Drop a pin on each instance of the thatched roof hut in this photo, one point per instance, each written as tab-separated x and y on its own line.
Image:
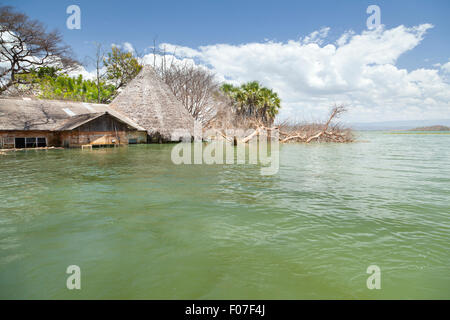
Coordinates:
148	101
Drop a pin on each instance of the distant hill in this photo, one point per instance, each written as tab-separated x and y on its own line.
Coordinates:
432	128
397	125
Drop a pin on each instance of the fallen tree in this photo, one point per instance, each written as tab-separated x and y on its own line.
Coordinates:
327	132
300	133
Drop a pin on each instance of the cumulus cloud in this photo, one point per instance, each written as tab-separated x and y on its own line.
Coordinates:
317	36
311	73
170	54
343	39
178	50
446	67
87	75
125	46
128	47
358	69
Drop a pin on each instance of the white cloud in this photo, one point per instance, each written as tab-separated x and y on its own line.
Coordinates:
316	36
178	50
125	46
344	38
310	75
359	70
128	47
446	67
87	75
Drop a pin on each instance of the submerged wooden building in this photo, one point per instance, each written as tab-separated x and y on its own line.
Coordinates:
29	123
145	111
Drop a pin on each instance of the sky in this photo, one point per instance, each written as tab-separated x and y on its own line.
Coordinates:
313	53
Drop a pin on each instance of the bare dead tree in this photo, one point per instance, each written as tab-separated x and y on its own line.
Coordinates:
98	62
321	132
99	75
25	44
194	86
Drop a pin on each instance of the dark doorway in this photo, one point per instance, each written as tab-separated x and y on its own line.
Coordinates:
20	142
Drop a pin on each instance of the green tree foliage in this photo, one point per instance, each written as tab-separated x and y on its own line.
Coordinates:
121	67
251	100
36	76
50	83
76	89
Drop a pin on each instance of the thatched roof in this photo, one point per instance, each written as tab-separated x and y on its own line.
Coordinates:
146	104
148	101
52	115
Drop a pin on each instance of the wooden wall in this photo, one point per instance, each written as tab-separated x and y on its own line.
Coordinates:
75	138
7	137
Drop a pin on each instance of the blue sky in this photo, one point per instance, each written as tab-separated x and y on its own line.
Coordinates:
202	22
400	72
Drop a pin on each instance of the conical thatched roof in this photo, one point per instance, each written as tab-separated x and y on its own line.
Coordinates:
148	101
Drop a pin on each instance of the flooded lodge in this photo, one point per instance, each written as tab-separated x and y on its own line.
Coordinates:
46	123
145	111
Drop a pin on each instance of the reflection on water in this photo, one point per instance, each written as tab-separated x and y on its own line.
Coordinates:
141	227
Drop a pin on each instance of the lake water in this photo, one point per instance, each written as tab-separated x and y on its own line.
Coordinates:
140	227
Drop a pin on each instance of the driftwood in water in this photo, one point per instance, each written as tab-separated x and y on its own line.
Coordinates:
305	133
318	132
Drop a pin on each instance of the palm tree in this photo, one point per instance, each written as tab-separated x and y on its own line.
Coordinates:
251	100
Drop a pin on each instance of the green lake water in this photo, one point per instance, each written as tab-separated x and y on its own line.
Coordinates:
140	227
